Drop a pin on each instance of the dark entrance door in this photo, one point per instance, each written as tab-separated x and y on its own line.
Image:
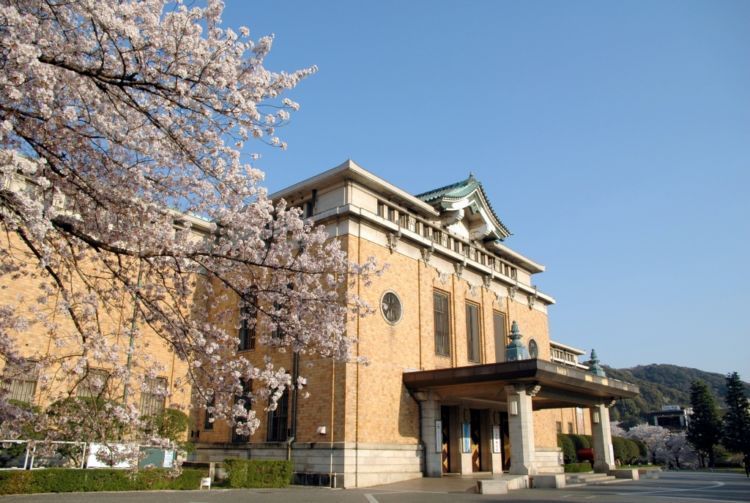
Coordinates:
476	441
446	453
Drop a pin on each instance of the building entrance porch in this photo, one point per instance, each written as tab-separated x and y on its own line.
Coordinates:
489	411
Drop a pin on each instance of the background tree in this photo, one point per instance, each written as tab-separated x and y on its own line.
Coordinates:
736	421
124	190
704	428
680	453
654	438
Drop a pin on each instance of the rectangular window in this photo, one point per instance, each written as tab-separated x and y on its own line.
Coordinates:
20	381
381	209
441	309
153	396
277	419
243	399
94	385
472	332
570	428
248	319
558	426
208	417
498	320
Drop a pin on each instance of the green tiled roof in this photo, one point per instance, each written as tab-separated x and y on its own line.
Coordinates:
460	190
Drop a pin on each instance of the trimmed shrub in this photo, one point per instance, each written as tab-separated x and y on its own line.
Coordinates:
634	452
61	480
581	441
568	448
257	473
620	449
642	450
577	467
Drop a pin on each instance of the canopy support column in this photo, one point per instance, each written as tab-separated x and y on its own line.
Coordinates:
521	429
601	436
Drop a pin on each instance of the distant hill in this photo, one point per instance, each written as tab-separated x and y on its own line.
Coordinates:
660	385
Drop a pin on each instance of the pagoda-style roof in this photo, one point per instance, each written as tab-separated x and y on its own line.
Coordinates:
468	193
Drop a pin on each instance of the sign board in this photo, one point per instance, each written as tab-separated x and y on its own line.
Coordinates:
496	438
98	453
466	437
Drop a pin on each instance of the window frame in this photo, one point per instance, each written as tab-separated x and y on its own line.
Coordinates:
442	339
208	417
501	339
151	397
246	333
400	305
277	421
247	388
20	381
84	390
474	344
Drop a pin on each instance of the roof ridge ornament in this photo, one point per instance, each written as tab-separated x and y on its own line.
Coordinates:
515	349
594	366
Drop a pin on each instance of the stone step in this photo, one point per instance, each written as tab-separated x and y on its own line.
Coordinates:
586	478
583	479
608	480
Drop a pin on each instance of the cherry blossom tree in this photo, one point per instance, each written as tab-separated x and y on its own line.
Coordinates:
654	437
680	452
126	198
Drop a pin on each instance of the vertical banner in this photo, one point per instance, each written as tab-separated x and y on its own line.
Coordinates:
496	438
438	436
466	437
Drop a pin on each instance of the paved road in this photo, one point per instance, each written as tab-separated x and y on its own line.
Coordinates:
686	487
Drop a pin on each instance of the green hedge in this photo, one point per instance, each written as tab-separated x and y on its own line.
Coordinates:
62	480
620	448
578	467
581	441
255	473
567	447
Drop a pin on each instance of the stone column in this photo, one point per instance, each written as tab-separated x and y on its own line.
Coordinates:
521	429
430	412
601	437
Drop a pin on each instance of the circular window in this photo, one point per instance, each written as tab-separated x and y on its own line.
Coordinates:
390	304
533	349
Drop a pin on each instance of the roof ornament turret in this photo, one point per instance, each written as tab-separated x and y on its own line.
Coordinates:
594	366
515	349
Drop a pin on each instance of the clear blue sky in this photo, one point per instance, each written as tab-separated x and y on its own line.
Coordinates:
612	137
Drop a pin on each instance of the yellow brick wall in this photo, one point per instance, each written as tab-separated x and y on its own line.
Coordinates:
62	340
369	403
386	412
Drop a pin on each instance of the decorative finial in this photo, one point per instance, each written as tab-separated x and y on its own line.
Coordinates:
594	366
515	349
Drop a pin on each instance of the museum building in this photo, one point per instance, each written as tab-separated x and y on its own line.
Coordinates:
462	374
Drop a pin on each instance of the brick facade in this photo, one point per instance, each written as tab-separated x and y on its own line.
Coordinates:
367	412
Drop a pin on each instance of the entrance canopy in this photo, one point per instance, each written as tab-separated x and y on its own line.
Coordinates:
551	385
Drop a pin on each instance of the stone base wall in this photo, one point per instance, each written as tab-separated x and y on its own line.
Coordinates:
338	464
548	460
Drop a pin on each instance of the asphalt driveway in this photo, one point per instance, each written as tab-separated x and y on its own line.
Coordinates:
671	487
